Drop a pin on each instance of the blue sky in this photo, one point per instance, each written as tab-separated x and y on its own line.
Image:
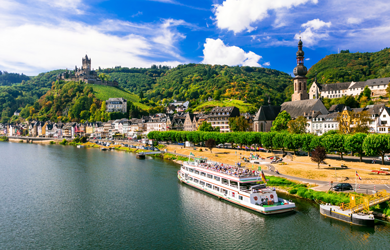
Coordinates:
42	35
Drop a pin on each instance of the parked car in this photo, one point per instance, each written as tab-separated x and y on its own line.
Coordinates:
386	158
342	187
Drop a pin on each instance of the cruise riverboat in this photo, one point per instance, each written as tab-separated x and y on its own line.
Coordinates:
234	185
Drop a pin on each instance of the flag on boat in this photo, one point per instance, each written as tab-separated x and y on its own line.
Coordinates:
358	176
263	177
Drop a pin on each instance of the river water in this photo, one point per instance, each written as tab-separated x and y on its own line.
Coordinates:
57	197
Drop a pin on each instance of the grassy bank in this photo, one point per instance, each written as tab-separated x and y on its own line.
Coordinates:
4	138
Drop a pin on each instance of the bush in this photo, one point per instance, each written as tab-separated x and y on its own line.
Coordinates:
4	138
64	142
293	191
52	142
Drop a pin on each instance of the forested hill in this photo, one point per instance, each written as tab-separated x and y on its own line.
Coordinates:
7	79
347	67
196	82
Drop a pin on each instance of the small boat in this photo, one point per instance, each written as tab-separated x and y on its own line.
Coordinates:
234	186
359	219
103	149
80	146
140	156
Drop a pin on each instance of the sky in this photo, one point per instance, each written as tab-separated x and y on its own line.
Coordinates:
42	35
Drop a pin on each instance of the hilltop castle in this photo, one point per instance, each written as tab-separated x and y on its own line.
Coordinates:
85	74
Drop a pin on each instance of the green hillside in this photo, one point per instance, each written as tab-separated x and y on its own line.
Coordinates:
105	92
244	107
347	67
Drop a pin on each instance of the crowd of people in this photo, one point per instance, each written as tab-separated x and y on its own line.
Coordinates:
236	171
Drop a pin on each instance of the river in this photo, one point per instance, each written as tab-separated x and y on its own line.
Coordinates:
61	197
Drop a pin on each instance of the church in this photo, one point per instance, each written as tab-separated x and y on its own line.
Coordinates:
300	104
85	74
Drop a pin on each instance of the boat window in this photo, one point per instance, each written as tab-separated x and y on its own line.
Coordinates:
196	180
186	168
190	178
208	185
216	188
202	174
183	167
246	186
233	184
191	170
201	183
217	178
209	176
224	191
240	197
225	182
196	172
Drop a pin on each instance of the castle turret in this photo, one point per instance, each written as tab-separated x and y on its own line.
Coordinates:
86	65
300	80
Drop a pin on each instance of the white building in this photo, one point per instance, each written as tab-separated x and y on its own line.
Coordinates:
338	90
116	105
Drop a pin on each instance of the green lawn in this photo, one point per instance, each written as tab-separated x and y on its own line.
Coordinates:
106	92
225	103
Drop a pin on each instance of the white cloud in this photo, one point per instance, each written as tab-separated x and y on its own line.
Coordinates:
35	45
216	52
354	20
72	5
267	64
307	59
238	15
312	35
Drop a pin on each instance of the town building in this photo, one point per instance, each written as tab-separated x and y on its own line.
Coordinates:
338	90
219	117
116	105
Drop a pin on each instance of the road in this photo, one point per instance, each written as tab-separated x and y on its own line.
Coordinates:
325	185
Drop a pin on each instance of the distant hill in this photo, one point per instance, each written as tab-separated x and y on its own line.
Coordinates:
7	79
347	67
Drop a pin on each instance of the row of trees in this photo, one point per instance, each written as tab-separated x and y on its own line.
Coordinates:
359	143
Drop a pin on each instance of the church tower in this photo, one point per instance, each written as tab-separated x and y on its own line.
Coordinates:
300	80
86	65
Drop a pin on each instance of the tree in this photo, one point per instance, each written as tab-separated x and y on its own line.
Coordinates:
355	143
266	140
103	107
297	126
362	120
206	127
281	121
238	123
278	141
210	144
367	92
377	144
318	155
141	95
104	77
217	95
334	142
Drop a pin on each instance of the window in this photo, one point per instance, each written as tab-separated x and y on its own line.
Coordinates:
225	182
216	188
202	174
209	176
202	183
196	180
191	170
240	197
217	178
196	172
208	185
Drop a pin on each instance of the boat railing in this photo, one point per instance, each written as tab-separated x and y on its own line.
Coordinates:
228	172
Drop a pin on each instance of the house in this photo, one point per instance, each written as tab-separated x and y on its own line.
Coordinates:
189	122
384	121
17	113
338	90
116	105
219	117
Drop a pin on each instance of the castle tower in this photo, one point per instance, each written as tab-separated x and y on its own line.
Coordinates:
86	65
300	80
